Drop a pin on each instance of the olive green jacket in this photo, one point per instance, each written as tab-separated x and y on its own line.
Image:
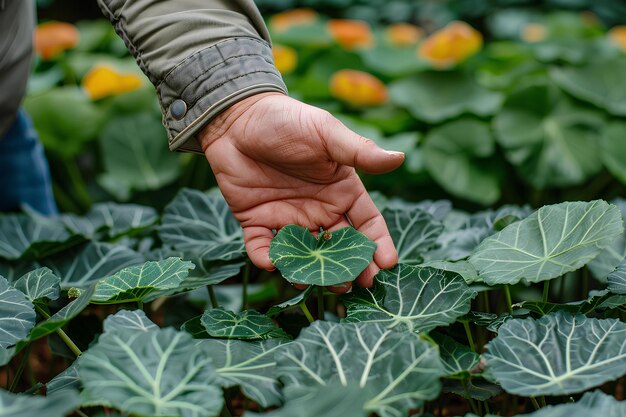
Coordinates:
201	55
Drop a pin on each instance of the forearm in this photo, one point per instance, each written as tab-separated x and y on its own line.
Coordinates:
201	55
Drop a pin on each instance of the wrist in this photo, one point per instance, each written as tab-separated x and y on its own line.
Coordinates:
220	125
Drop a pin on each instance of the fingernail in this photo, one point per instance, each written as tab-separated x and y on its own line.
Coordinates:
394	153
338	286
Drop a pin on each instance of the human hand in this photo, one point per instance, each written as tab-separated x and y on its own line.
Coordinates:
278	161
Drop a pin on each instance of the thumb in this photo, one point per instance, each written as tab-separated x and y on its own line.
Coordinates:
349	148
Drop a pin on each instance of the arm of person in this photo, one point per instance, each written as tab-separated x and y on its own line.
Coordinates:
277	161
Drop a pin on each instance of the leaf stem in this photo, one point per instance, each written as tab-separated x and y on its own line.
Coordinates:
485	297
212	296
470	399
320	303
246	279
80	413
66	339
535	403
470	338
20	369
140	305
507	295
546	291
306	311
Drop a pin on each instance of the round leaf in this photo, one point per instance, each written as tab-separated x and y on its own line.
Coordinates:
136	282
154	373
249	324
333	258
453	153
600	82
550	242
437	96
617	280
201	225
358	354
556	355
38	284
409	298
413	232
551	140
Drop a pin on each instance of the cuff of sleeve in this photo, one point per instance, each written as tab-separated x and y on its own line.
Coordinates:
210	81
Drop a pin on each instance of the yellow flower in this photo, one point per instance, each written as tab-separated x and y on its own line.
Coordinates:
534	32
282	22
285	58
52	38
351	34
451	45
404	34
103	81
618	36
358	88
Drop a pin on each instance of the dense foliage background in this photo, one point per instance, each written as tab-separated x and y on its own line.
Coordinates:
501	106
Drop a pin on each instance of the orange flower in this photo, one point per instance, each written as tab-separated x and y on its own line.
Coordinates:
404	34
451	45
52	38
618	36
351	34
534	32
103	81
282	22
358	88
285	58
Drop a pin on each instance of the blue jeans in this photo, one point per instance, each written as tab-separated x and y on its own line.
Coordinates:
24	172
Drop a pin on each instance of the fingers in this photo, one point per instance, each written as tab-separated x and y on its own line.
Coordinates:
367	219
366	278
257	240
348	148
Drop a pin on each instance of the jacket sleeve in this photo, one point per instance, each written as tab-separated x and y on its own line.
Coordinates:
201	55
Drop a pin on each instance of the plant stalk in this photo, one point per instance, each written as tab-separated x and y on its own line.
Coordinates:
507	295
66	339
212	296
471	401
535	403
470	338
546	291
320	303
306	311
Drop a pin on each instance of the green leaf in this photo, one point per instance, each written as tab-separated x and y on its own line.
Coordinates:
38	284
550	139
114	219
199	278
155	373
136	282
23	237
17	315
285	305
613	143
82	266
600	83
437	96
463	268
594	403
66	380
201	225
129	322
454	154
358	354
556	355
247	325
405	60
607	260
24	405
550	242
617	280
455	357
413	232
65	129
474	387
60	318
331	400
250	365
135	156
409	298
305	260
